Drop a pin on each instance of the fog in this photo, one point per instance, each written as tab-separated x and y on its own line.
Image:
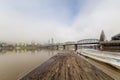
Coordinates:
63	20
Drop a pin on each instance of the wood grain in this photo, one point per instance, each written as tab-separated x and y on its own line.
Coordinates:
66	66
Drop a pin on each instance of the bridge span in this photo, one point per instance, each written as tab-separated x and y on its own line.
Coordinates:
93	43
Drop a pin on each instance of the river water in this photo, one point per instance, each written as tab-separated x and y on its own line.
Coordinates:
15	64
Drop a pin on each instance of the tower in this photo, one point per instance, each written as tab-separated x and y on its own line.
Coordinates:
102	36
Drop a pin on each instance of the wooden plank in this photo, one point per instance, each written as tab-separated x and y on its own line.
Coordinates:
66	66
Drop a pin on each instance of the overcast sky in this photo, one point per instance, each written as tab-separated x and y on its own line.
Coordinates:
63	20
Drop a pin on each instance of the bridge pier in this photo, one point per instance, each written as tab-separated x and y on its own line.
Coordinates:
57	47
64	47
76	47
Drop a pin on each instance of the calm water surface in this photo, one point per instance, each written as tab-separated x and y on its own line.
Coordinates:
14	64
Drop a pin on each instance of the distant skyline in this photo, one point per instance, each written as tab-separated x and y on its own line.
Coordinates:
63	20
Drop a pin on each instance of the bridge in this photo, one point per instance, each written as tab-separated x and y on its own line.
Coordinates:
88	41
75	45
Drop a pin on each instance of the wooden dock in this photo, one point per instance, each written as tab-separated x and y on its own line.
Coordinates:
66	66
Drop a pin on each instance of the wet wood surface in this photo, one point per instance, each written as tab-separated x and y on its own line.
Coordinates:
66	66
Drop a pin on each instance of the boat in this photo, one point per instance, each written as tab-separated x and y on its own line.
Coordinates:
112	58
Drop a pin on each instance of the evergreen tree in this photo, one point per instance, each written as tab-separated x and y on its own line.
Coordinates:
102	36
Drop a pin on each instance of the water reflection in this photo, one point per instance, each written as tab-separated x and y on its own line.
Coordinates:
15	63
2	52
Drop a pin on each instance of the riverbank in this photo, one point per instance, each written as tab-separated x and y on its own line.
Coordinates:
66	66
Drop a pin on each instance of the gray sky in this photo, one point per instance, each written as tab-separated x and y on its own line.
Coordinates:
63	20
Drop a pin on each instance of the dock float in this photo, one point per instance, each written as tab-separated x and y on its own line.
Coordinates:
66	66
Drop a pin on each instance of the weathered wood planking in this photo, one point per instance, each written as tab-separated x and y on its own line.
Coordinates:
66	66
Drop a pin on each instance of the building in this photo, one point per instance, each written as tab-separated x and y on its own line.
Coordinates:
116	37
112	45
